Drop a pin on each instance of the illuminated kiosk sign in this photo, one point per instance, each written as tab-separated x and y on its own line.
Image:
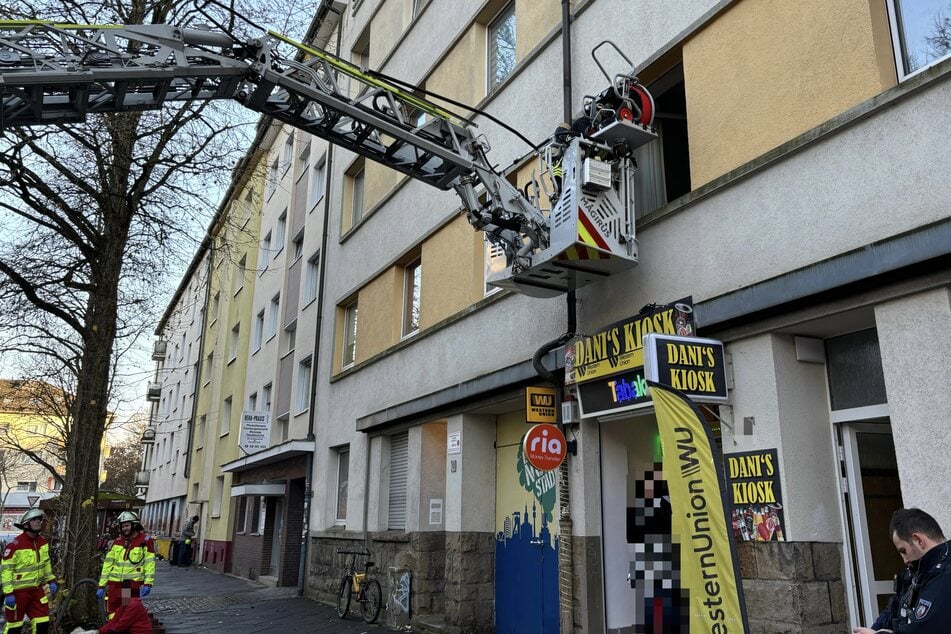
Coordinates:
691	365
617	393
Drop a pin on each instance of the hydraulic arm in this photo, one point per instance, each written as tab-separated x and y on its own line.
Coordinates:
60	73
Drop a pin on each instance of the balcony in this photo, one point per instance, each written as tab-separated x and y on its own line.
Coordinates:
141	478
159	350
154	393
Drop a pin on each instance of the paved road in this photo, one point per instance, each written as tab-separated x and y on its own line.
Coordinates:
195	601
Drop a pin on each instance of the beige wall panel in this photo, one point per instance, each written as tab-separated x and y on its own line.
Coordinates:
379	181
461	75
452	272
766	71
379	316
388	24
533	21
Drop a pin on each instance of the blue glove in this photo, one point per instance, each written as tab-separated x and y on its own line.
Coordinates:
100	593
53	587
144	591
10	601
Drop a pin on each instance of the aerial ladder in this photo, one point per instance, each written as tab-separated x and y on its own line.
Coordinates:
572	225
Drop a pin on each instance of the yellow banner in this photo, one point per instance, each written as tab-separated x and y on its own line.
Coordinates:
709	572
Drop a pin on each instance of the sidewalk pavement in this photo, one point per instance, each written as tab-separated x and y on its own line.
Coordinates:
195	600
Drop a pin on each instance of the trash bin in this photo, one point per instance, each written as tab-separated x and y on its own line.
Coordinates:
173	552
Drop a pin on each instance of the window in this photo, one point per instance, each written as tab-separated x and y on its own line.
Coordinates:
290	337
412	276
311	278
280	232
399	468
215	305
217	495
224	425
266	397
233	345
200	431
417	5
921	31
283	427
208	362
257	510
253	402
299	245
304	155
265	254
303	385
258	334
318	181
244	209
288	155
349	334
343	477
356	200
239	274
241	519
26	486
501	47
272	178
274	316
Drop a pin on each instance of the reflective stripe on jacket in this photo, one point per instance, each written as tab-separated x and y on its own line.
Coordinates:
129	560
26	563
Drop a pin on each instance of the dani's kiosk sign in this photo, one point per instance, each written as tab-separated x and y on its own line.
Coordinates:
608	365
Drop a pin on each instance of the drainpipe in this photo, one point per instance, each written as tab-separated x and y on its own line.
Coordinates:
325	6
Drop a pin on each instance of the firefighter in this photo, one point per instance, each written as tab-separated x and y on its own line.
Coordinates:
26	569
131	558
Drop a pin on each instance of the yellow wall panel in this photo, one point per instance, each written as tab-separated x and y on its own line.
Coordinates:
766	71
452	272
378	319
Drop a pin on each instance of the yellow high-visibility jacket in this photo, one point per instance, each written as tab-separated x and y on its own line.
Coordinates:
130	559
26	563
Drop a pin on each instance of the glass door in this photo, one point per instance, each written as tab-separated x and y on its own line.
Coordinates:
873	492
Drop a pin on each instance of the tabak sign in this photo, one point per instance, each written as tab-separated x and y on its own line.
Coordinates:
756	496
619	347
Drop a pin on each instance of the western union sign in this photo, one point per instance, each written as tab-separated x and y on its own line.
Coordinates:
619	347
540	405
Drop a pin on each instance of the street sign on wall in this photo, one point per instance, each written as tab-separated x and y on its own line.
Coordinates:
255	431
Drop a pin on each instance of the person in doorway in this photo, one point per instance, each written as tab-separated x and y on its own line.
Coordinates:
26	569
131	617
185	548
923	605
130	559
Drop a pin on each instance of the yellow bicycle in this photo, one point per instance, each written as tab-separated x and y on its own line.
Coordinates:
367	590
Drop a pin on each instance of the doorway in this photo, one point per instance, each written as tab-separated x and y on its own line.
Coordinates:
872	493
276	510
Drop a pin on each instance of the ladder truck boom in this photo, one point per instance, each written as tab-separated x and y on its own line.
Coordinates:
547	240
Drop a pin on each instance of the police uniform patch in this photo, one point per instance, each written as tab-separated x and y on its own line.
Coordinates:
921	610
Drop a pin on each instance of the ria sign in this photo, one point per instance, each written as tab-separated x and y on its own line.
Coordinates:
544	447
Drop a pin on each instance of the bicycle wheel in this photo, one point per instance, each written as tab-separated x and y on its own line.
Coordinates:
372	601
343	596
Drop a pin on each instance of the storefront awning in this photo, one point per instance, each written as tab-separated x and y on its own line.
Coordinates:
277	453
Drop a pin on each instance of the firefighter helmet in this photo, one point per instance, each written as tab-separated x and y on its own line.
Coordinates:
128	516
32	514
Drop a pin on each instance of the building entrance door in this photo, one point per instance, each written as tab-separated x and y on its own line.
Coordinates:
276	509
872	493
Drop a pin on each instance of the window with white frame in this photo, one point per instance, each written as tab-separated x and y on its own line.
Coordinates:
303	156
349	333
290	337
253	402
298	245
257	511
217	495
357	183
233	345
257	336
265	254
303	385
288	154
239	274
921	32
266	397
224	425
200	431
501	47
241	519
280	232
273	316
272	176
318	181
412	278
311	278
343	481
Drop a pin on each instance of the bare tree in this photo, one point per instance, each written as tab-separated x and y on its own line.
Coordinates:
939	40
93	214
121	466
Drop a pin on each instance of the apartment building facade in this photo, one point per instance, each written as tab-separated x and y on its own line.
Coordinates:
796	203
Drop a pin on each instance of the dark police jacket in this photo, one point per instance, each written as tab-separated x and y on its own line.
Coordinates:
925	607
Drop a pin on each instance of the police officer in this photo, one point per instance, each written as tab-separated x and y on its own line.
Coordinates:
131	558
924	604
25	570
